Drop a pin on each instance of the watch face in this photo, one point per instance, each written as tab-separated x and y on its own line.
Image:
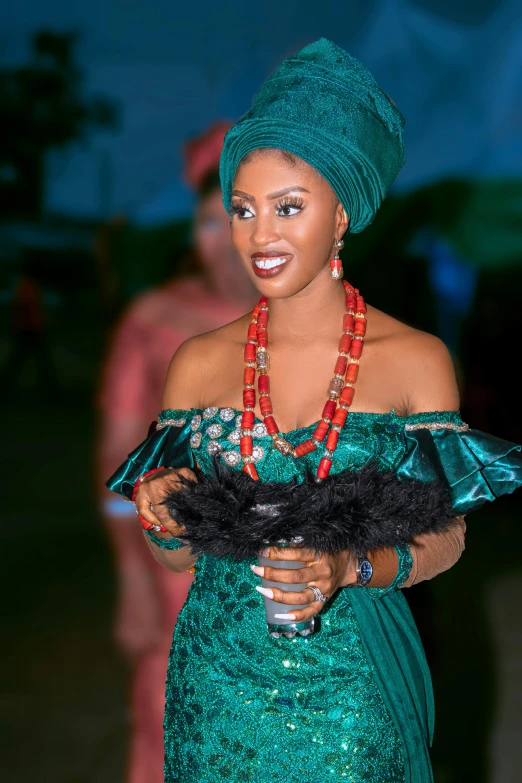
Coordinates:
366	570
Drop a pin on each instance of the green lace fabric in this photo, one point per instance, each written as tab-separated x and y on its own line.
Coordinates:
353	701
405	562
242	706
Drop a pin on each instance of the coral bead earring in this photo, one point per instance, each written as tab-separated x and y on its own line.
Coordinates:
336	265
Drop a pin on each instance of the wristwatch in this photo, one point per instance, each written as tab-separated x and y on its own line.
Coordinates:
364	571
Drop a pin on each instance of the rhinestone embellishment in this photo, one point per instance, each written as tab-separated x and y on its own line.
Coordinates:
208	413
213	448
195	423
232	458
260	430
437	425
171	423
234	437
215	430
195	440
226	414
258	453
238	421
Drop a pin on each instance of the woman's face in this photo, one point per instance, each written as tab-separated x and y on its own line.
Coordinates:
286	218
213	244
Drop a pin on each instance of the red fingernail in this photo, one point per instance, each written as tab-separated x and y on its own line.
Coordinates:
144	523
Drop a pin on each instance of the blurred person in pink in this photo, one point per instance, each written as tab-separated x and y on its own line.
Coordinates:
214	291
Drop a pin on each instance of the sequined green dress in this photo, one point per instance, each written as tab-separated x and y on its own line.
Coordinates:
352	702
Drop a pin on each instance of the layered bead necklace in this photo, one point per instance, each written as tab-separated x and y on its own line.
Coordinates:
340	392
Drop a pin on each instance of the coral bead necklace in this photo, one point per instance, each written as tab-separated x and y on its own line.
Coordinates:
340	392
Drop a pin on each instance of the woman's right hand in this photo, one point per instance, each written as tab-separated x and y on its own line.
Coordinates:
152	492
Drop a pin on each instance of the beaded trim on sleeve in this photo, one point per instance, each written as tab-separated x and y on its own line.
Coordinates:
405	562
437	425
171	544
171	423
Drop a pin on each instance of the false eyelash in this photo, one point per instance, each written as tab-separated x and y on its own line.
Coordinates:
237	206
290	201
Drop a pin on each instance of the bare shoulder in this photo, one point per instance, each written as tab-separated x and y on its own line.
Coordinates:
422	364
199	361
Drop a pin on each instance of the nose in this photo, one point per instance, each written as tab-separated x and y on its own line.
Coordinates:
264	229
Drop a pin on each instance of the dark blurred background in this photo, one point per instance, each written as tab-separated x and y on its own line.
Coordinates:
96	102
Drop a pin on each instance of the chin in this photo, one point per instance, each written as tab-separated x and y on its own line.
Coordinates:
283	286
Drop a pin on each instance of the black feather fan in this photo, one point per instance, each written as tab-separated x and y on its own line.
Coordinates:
226	514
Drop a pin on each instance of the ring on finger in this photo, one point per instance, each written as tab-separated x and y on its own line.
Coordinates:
318	594
149	526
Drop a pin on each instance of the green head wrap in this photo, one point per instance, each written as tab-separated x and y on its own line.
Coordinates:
322	105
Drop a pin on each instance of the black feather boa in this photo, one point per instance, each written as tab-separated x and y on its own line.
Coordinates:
229	515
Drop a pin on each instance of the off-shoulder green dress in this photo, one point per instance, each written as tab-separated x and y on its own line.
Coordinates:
352	702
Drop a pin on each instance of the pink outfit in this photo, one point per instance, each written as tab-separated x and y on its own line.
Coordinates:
146	339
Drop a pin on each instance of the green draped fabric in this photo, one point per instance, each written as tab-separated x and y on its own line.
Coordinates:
478	467
165	447
385	649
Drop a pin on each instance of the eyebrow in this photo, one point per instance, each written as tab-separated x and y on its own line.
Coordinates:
272	196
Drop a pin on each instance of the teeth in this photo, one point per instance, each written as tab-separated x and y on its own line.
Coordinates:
269	263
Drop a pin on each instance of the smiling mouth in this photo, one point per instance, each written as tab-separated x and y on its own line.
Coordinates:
270	263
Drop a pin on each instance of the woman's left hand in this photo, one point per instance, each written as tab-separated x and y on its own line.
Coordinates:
327	572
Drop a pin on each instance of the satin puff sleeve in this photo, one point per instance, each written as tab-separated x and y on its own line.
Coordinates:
167	446
476	466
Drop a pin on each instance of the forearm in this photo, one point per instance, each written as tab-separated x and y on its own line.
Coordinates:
385	563
434	553
177	560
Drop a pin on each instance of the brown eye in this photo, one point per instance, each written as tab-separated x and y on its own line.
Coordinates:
242	211
289	208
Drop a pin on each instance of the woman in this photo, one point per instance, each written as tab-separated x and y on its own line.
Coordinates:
309	162
157	322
